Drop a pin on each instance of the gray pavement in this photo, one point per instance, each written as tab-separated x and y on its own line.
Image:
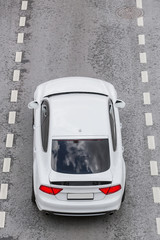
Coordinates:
80	38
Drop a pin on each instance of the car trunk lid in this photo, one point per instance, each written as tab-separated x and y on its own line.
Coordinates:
80	186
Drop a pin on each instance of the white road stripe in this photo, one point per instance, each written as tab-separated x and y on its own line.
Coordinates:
22	21
143	57
24	5
14	95
9	140
2	219
6	164
20	37
18	57
156	194
154	168
151	142
139	3
16	75
146	98
12	117
148	117
158	225
141	39
140	22
144	76
4	191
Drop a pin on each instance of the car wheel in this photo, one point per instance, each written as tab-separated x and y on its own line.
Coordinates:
33	195
124	195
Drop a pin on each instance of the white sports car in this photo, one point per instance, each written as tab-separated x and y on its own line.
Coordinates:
78	165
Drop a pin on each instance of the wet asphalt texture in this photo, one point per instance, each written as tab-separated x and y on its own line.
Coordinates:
80	38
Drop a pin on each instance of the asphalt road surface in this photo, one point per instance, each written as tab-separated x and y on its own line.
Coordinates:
114	40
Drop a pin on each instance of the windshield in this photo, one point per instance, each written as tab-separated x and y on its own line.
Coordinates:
80	156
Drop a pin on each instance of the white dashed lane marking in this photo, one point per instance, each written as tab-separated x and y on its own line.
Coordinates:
151	142
143	57
139	3
148	117
146	98
24	5
16	75
154	168
2	219
158	225
20	37
4	191
156	194
6	164
12	114
18	57
22	21
141	39
144	76
9	140
14	95
12	117
140	22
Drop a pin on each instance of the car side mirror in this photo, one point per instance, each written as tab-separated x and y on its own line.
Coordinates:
119	103
33	105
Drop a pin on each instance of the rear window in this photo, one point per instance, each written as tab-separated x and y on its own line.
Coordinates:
80	156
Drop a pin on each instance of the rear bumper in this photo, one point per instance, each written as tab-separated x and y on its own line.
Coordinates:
78	214
49	203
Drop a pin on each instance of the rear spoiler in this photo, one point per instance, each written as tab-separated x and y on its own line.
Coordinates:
82	183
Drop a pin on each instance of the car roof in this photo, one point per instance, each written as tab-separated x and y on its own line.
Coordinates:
79	115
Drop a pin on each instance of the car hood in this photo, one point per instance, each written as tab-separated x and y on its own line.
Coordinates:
74	84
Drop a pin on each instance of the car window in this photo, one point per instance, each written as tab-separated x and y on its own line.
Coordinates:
44	124
113	125
80	156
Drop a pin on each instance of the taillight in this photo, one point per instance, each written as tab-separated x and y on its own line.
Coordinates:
109	190
50	190
56	190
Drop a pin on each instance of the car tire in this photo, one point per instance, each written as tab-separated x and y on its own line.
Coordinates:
124	193
33	195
